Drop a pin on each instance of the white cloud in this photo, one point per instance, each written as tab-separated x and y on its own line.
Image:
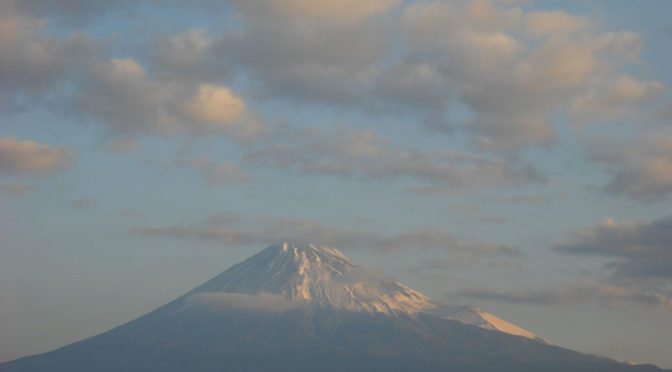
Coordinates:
215	105
264	302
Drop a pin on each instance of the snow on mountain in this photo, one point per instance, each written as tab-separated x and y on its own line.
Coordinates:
473	315
289	308
289	274
307	273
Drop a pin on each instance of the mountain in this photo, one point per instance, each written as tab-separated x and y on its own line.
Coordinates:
299	308
317	275
473	315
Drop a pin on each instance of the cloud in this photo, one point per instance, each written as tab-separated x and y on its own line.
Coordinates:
555	21
497	71
236	231
116	83
511	68
640	169
153	106
31	63
190	55
642	249
17	189
311	150
577	293
122	145
618	98
32	158
640	255
265	302
468	64
309	62
128	212
83	204
70	11
215	105
327	10
215	174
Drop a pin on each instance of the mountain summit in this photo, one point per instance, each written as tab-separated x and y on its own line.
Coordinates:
307	273
303	307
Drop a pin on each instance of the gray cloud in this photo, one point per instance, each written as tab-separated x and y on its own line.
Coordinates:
154	106
621	97
641	268
501	88
235	230
265	302
499	72
70	11
19	157
642	249
83	204
17	189
640	169
310	62
364	154
215	173
31	63
190	55
577	293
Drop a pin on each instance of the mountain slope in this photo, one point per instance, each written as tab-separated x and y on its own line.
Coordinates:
320	275
474	315
305	308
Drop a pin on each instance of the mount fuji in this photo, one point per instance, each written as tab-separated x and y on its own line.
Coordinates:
295	307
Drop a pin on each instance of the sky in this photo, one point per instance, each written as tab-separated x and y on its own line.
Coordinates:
515	155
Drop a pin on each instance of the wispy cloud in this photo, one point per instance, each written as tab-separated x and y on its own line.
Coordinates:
17	189
576	293
641	169
215	173
19	157
641	249
312	150
84	204
620	97
264	302
235	230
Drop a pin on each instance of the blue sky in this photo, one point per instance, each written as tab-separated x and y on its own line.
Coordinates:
515	155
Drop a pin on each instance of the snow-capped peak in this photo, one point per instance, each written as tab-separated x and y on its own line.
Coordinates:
319	275
290	275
